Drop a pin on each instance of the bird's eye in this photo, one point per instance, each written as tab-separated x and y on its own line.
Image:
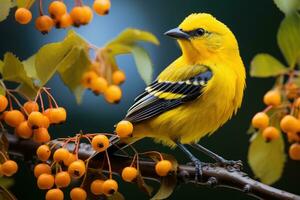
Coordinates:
200	32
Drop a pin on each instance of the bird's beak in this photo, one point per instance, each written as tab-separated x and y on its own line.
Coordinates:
177	33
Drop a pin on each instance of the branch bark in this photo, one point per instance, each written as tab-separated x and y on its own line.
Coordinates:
213	176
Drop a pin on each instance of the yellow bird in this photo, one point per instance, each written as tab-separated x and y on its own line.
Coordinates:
195	94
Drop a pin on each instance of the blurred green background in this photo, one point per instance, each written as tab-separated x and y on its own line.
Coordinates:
255	25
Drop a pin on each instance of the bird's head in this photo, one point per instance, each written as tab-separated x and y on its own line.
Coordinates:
202	35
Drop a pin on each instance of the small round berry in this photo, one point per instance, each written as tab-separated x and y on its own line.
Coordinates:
163	167
99	85
43	152
60	155
31	106
64	21
291	90
124	129
72	157
88	15
3	103
36	120
54	194
77	15
23	15
297	103
45	181
62	179
110	186
9	167
14	118
101	7
97	187
44	24
113	94
270	133
41	135
56	115
129	174
289	123
100	143
78	193
77	169
118	77
41	168
57	9
293	137
87	78
272	98
294	151
23	130
260	120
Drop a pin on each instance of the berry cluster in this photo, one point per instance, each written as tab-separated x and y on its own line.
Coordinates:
59	167
59	17
29	120
283	103
100	82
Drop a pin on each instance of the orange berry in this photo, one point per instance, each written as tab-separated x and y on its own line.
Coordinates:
113	94
61	154
3	103
41	168
31	106
110	186
101	7
291	90
77	169
77	15
54	194
43	152
98	85
78	193
44	24
294	151
41	135
45	181
270	133
97	187
64	21
87	78
56	115
297	103
163	167
129	174
72	157
23	130
272	98
88	15
118	77
260	120
124	129
62	179
23	15
9	168
37	120
100	143
289	124
14	118
57	9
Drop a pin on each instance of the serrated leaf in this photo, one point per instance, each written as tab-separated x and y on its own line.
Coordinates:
265	65
288	38
131	36
27	91
25	3
49	56
143	63
288	6
29	66
4	9
71	69
266	159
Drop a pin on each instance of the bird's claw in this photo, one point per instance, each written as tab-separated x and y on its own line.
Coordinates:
198	169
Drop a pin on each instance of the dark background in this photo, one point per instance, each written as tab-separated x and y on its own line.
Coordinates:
255	25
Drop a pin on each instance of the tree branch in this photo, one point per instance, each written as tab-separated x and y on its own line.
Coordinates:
214	176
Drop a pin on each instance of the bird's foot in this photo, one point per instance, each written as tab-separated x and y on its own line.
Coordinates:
231	164
198	169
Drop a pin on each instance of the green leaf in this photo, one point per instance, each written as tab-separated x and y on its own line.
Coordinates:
265	65
49	56
4	9
29	66
143	63
25	3
2	90
266	159
288	38
131	36
1	66
71	69
116	196
6	182
288	6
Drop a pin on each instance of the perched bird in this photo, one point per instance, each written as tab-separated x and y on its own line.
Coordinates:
195	94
